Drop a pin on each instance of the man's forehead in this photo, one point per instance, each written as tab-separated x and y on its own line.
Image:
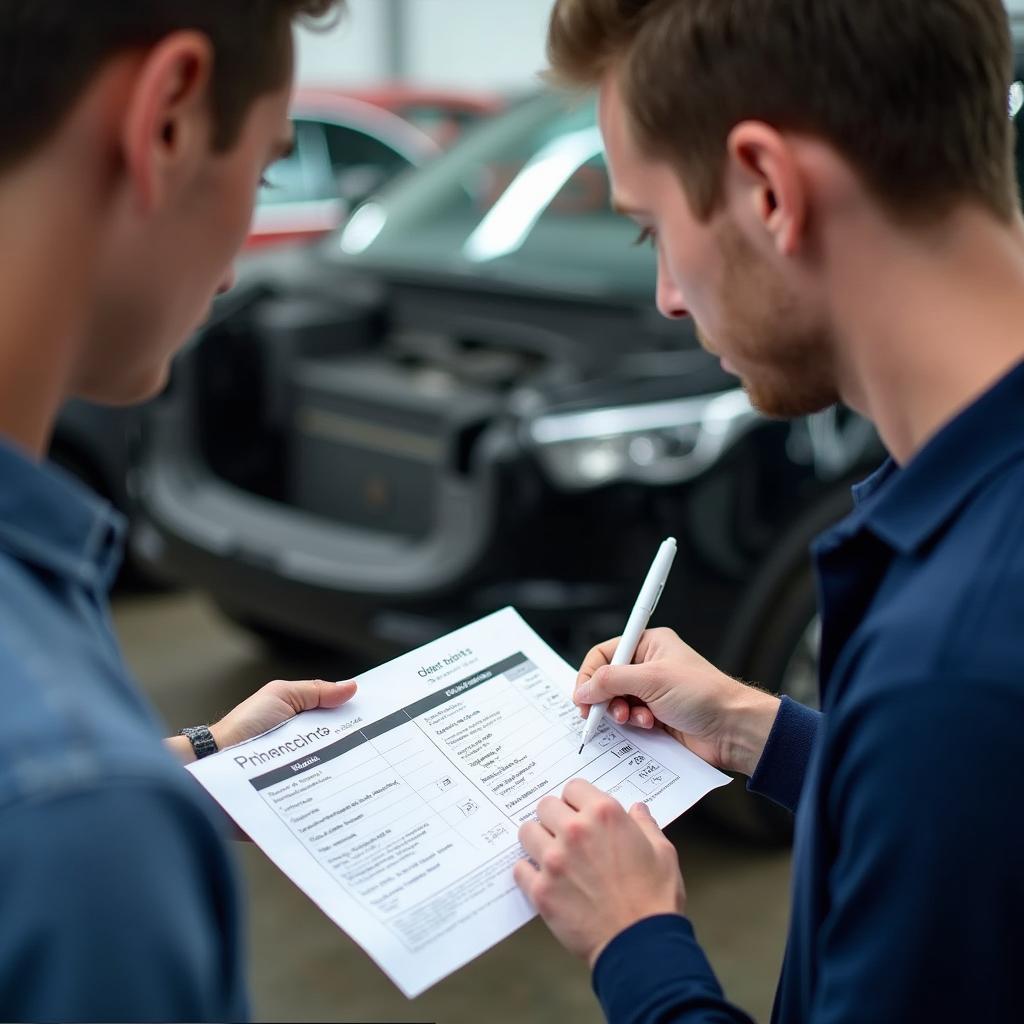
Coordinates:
618	147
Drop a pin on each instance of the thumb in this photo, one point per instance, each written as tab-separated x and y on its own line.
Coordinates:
641	814
333	695
307	694
613	681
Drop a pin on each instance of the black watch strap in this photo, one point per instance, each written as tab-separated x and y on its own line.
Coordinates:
201	739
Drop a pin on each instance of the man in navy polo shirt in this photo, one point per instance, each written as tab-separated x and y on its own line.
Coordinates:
132	139
829	185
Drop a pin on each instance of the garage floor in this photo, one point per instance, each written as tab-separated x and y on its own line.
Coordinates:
195	667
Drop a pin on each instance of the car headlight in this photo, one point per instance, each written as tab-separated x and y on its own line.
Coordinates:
655	443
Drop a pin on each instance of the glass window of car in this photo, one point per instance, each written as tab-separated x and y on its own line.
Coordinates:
305	174
524	198
360	162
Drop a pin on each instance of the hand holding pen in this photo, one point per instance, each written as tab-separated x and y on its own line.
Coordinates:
647	601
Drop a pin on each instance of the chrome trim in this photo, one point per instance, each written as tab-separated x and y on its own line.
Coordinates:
331	426
719	420
594	424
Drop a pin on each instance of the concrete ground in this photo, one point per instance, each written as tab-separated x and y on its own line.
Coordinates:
303	968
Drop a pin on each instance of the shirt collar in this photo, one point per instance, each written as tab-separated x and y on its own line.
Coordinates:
50	520
906	507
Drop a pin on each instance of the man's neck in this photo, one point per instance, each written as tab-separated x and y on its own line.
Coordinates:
928	324
43	298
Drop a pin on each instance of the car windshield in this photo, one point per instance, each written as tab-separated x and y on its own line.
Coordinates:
524	199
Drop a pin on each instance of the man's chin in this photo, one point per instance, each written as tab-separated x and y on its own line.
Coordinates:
788	402
126	392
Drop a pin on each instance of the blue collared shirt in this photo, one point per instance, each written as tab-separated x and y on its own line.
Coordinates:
908	888
117	897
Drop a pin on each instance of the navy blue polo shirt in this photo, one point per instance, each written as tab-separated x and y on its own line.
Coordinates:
117	897
908	859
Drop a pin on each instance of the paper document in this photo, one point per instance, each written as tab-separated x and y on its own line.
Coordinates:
398	813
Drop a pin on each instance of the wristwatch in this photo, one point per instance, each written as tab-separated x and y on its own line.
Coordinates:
201	739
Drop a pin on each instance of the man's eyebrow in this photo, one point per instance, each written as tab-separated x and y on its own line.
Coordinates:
285	148
627	211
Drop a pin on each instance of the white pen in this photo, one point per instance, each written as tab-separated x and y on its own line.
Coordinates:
635	625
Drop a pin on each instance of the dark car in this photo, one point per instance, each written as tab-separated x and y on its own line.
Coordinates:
465	400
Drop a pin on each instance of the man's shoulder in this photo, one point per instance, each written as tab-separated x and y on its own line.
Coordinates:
956	608
120	903
68	726
69	712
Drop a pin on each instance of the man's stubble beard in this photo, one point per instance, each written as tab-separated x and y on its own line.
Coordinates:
785	363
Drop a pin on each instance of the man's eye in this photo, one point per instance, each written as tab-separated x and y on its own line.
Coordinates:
265	182
646	235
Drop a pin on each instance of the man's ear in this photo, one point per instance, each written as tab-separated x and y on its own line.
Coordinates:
764	169
167	129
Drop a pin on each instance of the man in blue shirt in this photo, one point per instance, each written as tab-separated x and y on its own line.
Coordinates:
134	137
829	186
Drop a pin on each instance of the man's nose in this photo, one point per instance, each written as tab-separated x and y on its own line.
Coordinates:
227	283
668	298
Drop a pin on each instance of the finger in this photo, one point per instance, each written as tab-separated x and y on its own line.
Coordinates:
641	717
333	695
535	839
526	877
597	656
553	814
641	814
616	681
307	694
580	794
619	710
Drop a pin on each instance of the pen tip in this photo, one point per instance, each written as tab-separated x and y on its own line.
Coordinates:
582	745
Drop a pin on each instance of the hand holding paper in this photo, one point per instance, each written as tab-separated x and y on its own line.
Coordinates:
398	813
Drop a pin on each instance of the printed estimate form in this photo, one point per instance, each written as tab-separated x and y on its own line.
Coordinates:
398	813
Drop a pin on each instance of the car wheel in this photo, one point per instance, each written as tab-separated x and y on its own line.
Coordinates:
776	645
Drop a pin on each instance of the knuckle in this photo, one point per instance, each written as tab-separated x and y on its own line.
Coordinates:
666	852
607	810
575	832
553	862
542	898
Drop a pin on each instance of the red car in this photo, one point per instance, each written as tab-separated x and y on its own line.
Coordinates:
443	115
348	143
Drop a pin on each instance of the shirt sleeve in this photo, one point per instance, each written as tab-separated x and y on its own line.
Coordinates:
779	774
655	973
925	892
119	904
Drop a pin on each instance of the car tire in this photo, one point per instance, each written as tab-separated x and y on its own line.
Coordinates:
774	643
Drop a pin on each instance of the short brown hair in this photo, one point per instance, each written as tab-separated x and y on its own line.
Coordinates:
51	49
912	93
